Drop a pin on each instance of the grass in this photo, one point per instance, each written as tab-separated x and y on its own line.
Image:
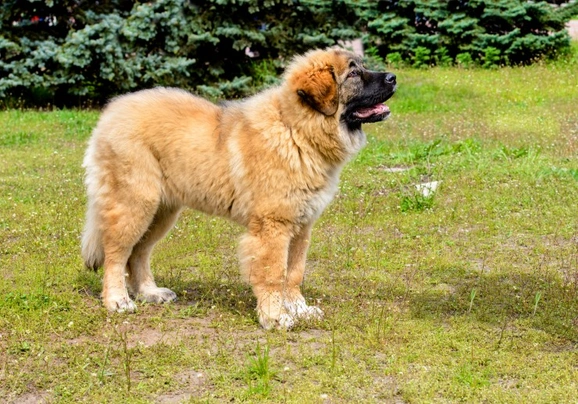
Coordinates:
466	295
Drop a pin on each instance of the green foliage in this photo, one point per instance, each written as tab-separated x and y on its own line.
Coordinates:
395	59
522	31
464	59
214	48
415	201
67	52
259	373
442	57
373	60
567	11
421	57
561	172
491	57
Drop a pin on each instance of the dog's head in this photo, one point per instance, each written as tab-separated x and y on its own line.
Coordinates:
334	82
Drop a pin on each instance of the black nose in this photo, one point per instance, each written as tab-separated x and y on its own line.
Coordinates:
390	78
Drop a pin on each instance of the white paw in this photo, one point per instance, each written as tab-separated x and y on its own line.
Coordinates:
157	295
299	310
313	313
272	314
120	304
283	322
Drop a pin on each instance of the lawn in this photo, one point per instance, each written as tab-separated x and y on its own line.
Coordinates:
467	295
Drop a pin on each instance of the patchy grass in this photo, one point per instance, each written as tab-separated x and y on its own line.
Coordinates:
466	294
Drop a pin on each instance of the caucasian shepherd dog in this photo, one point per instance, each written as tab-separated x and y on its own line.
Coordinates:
270	163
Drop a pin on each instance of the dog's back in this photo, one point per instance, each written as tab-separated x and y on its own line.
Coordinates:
144	133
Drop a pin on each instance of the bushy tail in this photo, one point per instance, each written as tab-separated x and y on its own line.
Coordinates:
92	249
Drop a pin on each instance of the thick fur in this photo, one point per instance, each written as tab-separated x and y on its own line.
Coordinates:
270	163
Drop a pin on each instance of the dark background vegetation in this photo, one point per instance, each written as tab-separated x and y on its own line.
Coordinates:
78	52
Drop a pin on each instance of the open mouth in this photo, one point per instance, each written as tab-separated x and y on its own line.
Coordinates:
373	112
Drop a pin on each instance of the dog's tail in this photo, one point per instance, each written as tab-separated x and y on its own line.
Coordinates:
92	248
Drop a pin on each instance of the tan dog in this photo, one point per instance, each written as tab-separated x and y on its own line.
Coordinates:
270	163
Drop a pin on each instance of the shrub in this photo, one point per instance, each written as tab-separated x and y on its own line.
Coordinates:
522	31
70	51
421	57
464	60
491	57
93	51
442	57
395	59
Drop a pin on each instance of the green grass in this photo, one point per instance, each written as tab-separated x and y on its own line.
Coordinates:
467	295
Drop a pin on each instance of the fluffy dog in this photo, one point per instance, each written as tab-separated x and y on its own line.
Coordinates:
270	162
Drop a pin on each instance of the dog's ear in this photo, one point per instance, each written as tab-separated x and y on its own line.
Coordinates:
318	89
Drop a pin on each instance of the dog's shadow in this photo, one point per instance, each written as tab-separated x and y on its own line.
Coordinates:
541	301
509	303
227	294
197	290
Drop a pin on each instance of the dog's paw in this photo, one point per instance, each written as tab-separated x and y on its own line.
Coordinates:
298	309
285	321
157	295
120	304
272	314
311	313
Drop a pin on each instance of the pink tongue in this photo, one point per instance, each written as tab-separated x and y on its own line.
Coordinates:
378	109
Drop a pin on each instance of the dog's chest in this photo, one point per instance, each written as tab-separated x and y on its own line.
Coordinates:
317	199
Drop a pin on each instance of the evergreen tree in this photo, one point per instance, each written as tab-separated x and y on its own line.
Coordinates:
62	51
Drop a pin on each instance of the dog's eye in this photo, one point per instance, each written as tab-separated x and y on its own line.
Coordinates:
353	73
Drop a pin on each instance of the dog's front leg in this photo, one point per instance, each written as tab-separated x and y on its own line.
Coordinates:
263	254
294	301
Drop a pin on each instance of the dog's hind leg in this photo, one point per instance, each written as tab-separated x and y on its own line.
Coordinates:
293	299
130	196
124	223
140	279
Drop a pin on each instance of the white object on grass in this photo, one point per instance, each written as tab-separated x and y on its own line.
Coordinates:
428	188
396	169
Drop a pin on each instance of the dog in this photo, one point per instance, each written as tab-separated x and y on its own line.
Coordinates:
270	162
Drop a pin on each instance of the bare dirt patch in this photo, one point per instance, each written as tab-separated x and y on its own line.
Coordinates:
171	333
194	383
29	398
